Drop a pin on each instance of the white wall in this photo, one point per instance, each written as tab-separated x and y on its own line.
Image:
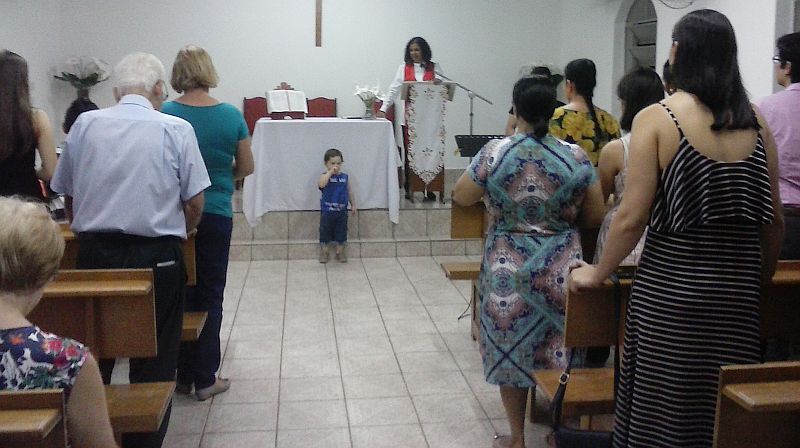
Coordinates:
33	29
256	44
597	32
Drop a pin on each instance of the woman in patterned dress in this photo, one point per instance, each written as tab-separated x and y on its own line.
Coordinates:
537	190
703	173
31	247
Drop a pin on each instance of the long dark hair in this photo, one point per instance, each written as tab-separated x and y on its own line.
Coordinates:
706	65
427	54
16	116
534	100
582	73
638	89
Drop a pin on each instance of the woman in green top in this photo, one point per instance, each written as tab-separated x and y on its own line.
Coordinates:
580	121
225	144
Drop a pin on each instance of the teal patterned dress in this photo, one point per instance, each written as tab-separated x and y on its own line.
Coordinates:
533	192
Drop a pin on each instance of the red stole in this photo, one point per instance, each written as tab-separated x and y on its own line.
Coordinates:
427	76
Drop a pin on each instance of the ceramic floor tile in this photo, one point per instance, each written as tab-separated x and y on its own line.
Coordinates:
252	439
364	346
249	391
173	440
253	349
433	383
366	328
312	414
308	366
410	326
426	362
406	436
448	408
242	417
374	386
418	343
468	360
251	369
316	438
381	411
492	405
404	312
460	341
477	434
305	389
269	333
354	365
477	382
351	314
188	419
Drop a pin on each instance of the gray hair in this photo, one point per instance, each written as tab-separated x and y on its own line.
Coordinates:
137	71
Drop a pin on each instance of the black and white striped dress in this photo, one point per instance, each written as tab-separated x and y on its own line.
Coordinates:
694	304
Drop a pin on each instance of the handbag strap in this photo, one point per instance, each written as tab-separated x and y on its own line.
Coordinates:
558	398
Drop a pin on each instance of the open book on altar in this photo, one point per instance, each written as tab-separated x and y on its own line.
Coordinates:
286	101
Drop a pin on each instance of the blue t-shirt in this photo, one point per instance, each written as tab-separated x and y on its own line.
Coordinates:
219	128
334	195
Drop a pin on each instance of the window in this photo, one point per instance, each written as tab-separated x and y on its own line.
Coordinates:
640	35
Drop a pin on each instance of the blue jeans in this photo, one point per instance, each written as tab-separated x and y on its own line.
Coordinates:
199	361
333	227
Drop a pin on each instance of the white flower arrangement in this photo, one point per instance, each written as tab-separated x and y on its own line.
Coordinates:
369	94
82	72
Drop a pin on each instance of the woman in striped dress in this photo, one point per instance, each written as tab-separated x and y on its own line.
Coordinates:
704	166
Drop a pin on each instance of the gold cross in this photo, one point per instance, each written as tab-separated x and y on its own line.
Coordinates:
319	23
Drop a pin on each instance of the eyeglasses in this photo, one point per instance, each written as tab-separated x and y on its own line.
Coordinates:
777	59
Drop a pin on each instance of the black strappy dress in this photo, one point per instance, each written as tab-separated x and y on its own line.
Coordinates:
695	298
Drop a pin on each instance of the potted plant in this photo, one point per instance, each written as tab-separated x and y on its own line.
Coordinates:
82	73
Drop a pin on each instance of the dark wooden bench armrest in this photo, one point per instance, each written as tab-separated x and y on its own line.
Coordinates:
138	407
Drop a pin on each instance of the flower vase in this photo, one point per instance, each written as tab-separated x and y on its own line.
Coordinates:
369	111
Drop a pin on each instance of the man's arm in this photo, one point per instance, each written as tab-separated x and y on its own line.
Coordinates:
193	210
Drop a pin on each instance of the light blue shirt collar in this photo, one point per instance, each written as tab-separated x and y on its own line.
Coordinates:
138	100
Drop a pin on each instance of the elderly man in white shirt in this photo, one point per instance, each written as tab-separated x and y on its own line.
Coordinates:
133	180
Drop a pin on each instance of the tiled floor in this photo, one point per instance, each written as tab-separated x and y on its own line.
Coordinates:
363	354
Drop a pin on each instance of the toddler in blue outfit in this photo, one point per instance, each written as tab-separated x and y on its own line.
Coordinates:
336	193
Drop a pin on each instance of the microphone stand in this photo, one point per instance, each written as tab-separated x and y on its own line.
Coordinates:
472	95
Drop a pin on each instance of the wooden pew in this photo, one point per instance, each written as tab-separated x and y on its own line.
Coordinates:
112	312
33	418
70	258
192	322
758	405
590	322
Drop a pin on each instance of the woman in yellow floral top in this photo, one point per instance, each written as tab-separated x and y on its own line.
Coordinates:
580	121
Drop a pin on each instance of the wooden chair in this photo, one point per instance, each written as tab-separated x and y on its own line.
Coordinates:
376	106
253	109
192	321
113	313
321	107
758	405
33	418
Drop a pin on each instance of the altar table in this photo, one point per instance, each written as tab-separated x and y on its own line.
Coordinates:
289	160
